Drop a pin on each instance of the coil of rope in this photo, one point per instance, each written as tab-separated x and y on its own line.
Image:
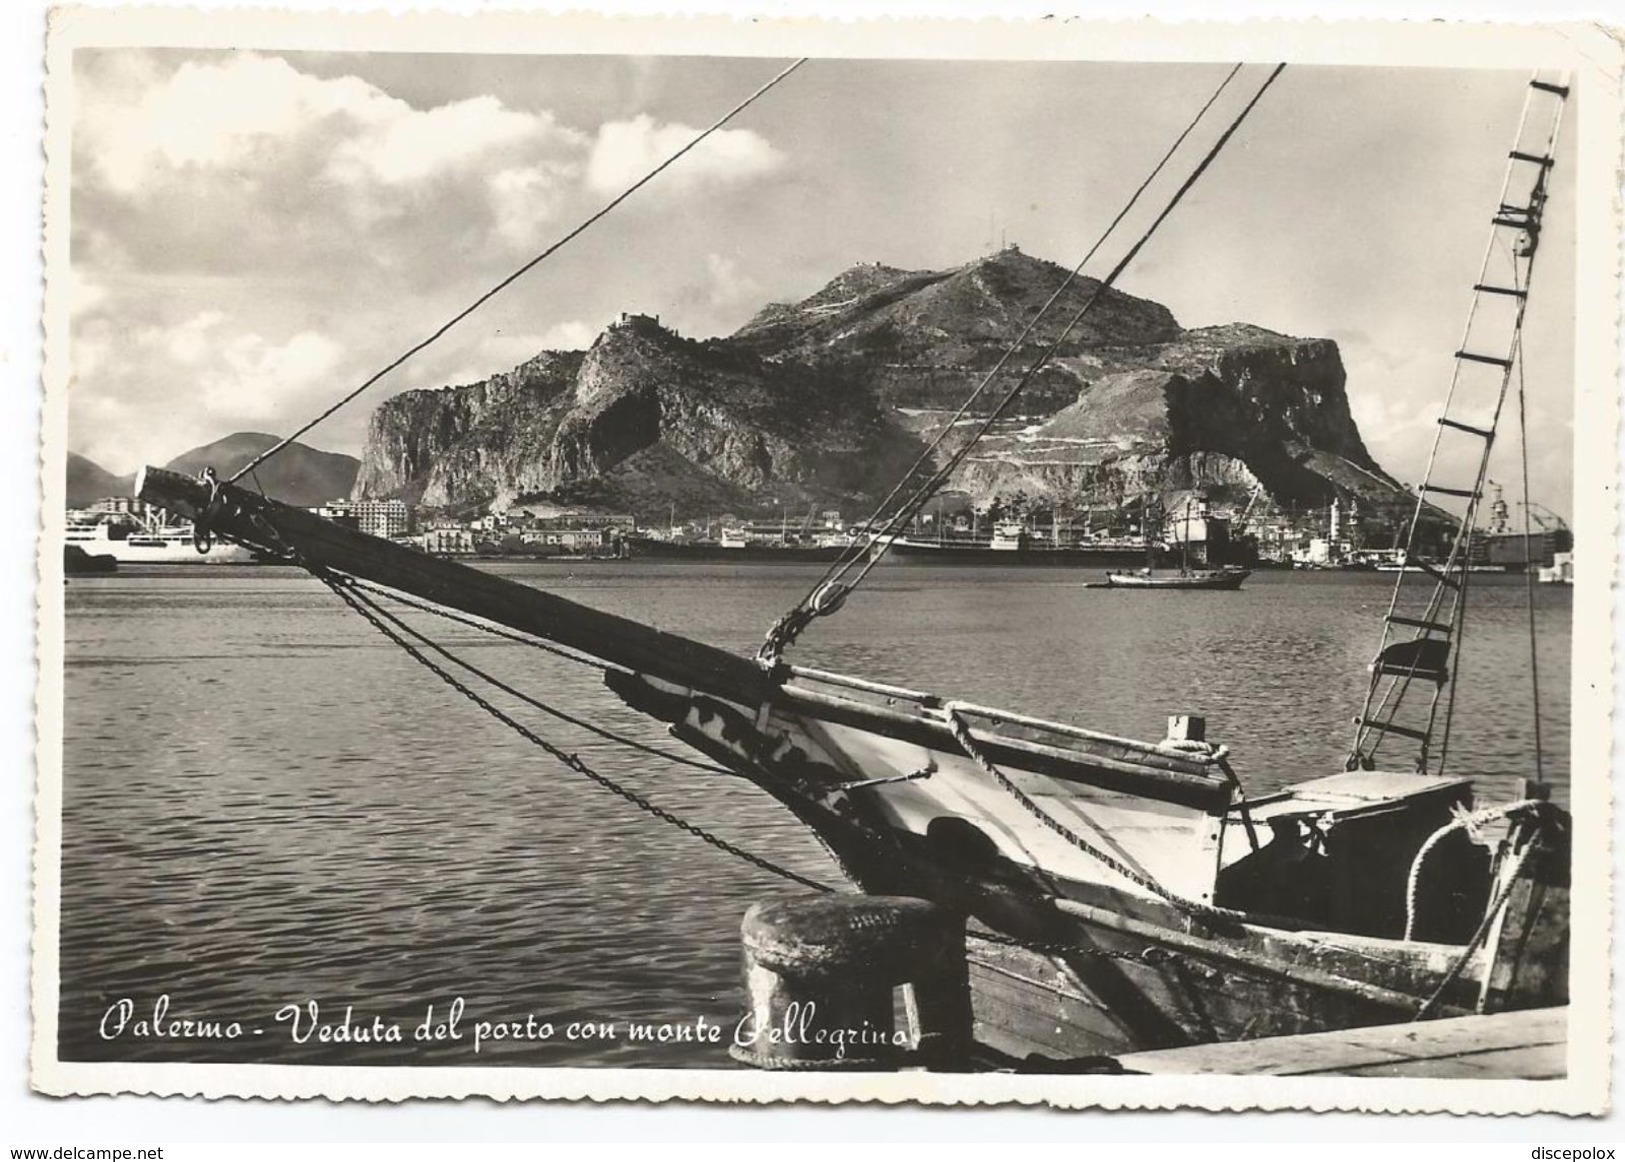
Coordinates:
1463	822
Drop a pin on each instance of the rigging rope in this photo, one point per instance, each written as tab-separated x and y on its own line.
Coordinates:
485	627
536	703
525	269
1469	822
831	592
379	620
1529	574
1479	934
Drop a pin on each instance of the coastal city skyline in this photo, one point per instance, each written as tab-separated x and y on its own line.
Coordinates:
435	182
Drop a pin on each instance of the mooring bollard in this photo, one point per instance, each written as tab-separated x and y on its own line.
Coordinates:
819	981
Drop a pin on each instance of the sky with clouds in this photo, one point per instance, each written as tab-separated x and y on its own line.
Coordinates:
254	233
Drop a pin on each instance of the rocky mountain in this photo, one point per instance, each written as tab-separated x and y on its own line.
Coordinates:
827	400
1217	410
926	339
298	474
641	420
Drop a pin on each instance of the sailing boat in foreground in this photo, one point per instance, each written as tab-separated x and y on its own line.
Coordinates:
1123	894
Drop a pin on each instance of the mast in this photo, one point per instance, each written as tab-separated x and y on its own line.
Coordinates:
1145	533
1185	541
1423	626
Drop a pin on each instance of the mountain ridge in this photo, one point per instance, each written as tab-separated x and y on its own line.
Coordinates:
299	474
825	401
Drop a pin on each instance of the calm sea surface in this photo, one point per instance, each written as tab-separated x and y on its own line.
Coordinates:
266	804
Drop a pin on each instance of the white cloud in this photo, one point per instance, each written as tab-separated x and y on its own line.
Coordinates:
626	150
190	342
129	384
213	115
525	199
252	378
407	145
251	113
728	284
572	335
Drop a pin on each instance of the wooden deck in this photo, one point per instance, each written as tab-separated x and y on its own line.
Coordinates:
1527	1045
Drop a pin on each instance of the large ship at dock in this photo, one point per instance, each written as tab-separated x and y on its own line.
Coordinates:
755	542
753	552
1196	537
1011	543
130	539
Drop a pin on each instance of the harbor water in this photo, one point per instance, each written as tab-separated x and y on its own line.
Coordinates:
266	805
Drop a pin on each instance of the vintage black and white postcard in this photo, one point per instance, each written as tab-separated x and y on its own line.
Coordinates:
904	561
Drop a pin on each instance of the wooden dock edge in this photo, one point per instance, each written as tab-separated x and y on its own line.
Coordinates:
1527	1045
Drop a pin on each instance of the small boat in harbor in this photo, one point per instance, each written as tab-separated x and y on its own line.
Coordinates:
1183	579
78	563
1227	578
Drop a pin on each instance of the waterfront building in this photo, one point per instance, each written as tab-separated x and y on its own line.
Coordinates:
382	518
338	511
446	541
120	506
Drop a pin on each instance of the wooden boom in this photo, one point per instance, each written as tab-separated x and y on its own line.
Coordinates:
280	530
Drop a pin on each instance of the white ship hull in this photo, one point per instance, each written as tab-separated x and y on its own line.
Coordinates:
163	547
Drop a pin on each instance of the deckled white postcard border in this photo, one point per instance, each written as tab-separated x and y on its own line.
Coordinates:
1595	60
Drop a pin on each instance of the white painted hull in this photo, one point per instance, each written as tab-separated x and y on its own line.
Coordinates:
143	549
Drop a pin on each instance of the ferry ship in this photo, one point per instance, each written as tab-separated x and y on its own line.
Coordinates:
148	543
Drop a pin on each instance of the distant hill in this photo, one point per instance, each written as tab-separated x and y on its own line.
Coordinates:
297	475
88	482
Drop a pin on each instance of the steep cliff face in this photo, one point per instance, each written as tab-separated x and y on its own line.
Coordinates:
642	419
459	445
1219	409
828	400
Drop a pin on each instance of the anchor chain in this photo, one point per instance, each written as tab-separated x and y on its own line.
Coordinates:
962	735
